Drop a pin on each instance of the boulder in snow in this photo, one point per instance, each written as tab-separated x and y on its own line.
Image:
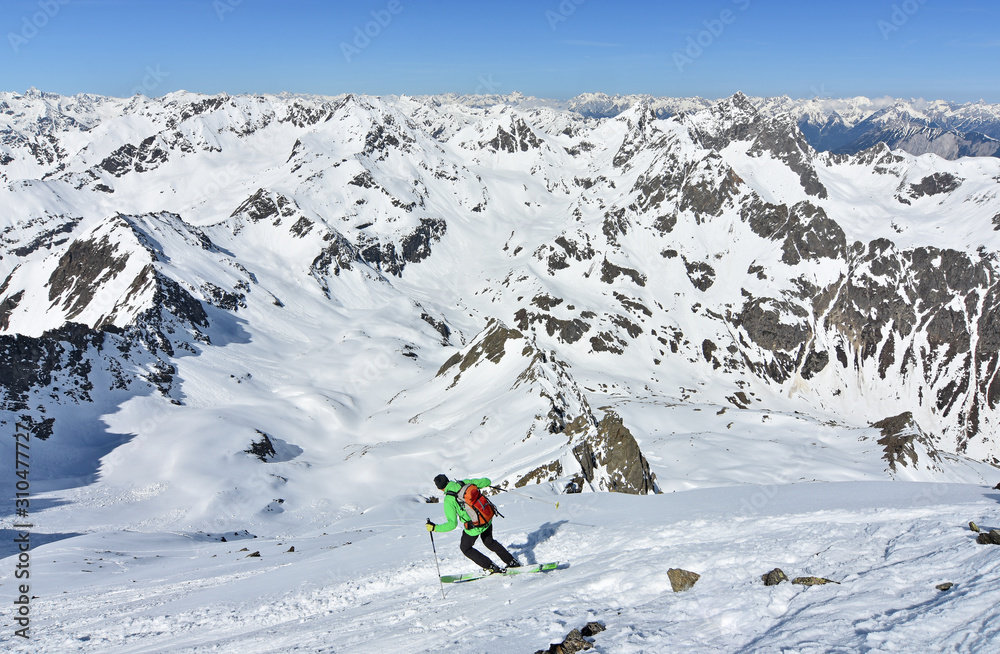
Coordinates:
774	577
681	580
575	641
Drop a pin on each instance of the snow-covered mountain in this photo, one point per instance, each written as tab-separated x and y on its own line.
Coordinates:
191	252
281	313
849	126
843	126
949	130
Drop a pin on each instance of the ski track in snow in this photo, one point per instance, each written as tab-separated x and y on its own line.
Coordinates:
369	584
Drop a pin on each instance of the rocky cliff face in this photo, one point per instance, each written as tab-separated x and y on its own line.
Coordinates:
586	453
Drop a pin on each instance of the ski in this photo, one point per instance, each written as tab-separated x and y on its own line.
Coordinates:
472	576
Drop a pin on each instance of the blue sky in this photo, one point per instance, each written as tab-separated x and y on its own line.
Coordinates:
935	49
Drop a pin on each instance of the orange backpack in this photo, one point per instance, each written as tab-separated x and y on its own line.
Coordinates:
478	507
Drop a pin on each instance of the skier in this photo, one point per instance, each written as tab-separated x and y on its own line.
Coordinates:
454	512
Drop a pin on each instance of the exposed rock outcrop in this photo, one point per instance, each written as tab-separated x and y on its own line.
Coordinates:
900	437
611	458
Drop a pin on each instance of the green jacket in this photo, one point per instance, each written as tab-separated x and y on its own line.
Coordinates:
453	513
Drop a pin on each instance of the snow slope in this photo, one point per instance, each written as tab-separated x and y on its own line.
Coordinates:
367	583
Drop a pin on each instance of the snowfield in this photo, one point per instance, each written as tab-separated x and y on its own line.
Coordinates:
368	583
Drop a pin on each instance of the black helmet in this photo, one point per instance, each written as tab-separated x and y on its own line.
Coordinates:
441	481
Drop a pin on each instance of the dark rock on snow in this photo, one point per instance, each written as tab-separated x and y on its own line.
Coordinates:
575	640
681	580
774	577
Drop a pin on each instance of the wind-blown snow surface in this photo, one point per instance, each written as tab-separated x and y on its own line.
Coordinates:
368	583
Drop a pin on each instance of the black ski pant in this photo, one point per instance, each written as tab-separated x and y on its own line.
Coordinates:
478	557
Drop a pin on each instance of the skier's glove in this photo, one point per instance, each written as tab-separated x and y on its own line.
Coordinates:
430	526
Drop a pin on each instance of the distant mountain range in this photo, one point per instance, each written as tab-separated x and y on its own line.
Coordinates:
842	126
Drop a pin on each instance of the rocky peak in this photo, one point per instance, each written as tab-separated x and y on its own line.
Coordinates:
516	137
778	136
264	205
906	446
732	119
564	428
611	460
641	131
490	345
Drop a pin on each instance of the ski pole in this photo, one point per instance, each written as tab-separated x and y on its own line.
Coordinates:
523	495
433	547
